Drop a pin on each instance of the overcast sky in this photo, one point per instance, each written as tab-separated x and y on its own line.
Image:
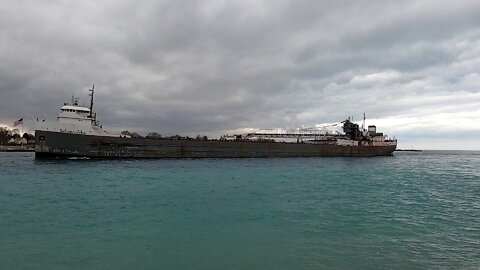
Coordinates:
210	67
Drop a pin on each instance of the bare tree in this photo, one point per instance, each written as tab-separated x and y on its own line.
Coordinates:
5	134
154	135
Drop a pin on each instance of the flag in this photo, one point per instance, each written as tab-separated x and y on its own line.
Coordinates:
18	122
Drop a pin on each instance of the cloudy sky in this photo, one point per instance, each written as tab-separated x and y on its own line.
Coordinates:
210	67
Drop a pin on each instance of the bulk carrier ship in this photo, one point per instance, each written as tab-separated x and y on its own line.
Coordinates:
77	133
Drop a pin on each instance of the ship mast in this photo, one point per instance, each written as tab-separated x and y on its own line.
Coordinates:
363	124
74	100
91	100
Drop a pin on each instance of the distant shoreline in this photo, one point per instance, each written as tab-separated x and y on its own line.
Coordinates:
15	148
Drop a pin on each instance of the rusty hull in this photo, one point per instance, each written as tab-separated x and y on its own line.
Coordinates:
59	144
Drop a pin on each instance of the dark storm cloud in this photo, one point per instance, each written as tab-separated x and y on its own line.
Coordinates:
212	66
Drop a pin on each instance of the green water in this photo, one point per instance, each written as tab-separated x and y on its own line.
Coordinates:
410	211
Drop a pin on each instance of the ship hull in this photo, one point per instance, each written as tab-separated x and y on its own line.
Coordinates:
60	144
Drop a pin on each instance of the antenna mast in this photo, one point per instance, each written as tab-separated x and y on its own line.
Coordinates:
363	125
91	100
74	100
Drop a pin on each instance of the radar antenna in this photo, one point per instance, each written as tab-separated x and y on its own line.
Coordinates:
74	100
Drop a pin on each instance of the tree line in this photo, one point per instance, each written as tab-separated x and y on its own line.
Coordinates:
7	134
156	135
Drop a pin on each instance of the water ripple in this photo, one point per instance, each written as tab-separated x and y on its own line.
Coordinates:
410	211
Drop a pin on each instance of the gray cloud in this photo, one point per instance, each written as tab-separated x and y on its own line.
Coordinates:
213	66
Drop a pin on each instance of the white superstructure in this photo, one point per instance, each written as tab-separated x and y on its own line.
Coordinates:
75	119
